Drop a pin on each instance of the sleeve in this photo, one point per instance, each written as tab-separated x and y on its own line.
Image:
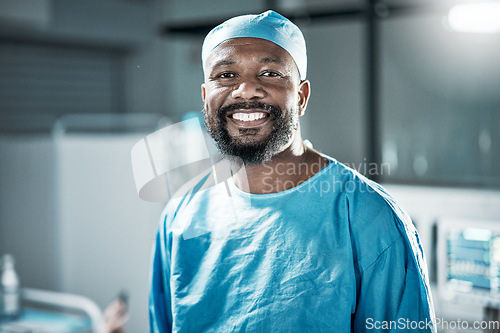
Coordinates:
160	312
392	288
391	294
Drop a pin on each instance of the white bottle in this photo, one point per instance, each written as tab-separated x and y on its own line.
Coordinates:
10	306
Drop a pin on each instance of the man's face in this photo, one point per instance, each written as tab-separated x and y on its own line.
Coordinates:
252	98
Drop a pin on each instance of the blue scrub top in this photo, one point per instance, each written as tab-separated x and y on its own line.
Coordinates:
334	254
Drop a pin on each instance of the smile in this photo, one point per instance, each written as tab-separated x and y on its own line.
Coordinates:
241	116
244	118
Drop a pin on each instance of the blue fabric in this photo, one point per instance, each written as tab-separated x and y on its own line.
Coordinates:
270	26
334	254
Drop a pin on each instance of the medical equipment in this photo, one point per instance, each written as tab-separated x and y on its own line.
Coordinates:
469	263
469	260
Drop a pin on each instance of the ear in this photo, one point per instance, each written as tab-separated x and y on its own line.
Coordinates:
304	93
203	92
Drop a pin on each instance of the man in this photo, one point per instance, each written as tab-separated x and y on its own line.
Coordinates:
302	243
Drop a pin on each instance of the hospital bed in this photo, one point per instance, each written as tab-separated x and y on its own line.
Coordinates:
54	312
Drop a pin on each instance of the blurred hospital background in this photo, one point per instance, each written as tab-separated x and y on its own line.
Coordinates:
405	91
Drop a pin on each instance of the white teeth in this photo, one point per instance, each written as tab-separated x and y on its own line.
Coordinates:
248	116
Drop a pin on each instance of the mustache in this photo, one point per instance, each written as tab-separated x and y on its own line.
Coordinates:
272	109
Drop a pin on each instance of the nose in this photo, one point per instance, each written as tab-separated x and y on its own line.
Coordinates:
248	89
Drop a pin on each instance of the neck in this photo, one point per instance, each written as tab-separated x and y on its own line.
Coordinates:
289	168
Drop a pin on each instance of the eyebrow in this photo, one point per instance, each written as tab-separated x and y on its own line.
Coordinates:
271	61
225	62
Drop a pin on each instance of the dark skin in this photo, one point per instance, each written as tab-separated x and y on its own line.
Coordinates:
253	69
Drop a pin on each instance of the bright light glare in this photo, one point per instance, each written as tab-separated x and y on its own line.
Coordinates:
480	235
480	17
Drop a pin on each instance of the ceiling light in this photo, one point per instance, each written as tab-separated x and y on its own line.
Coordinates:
477	17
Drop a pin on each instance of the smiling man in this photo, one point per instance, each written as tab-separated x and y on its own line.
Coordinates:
253	98
303	243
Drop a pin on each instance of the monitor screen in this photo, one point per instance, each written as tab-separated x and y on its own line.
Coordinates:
469	260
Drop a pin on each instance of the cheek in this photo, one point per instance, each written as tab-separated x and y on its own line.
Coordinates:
284	93
291	99
215	97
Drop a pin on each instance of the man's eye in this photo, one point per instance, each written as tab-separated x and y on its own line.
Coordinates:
270	74
226	75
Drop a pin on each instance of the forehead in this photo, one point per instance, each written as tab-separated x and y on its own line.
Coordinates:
241	49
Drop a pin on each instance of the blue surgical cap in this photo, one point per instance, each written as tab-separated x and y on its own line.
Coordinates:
268	25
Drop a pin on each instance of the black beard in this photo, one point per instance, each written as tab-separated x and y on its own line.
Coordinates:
249	152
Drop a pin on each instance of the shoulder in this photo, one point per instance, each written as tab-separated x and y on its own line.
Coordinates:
362	194
375	220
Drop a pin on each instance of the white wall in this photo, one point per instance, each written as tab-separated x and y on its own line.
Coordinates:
27	219
105	231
